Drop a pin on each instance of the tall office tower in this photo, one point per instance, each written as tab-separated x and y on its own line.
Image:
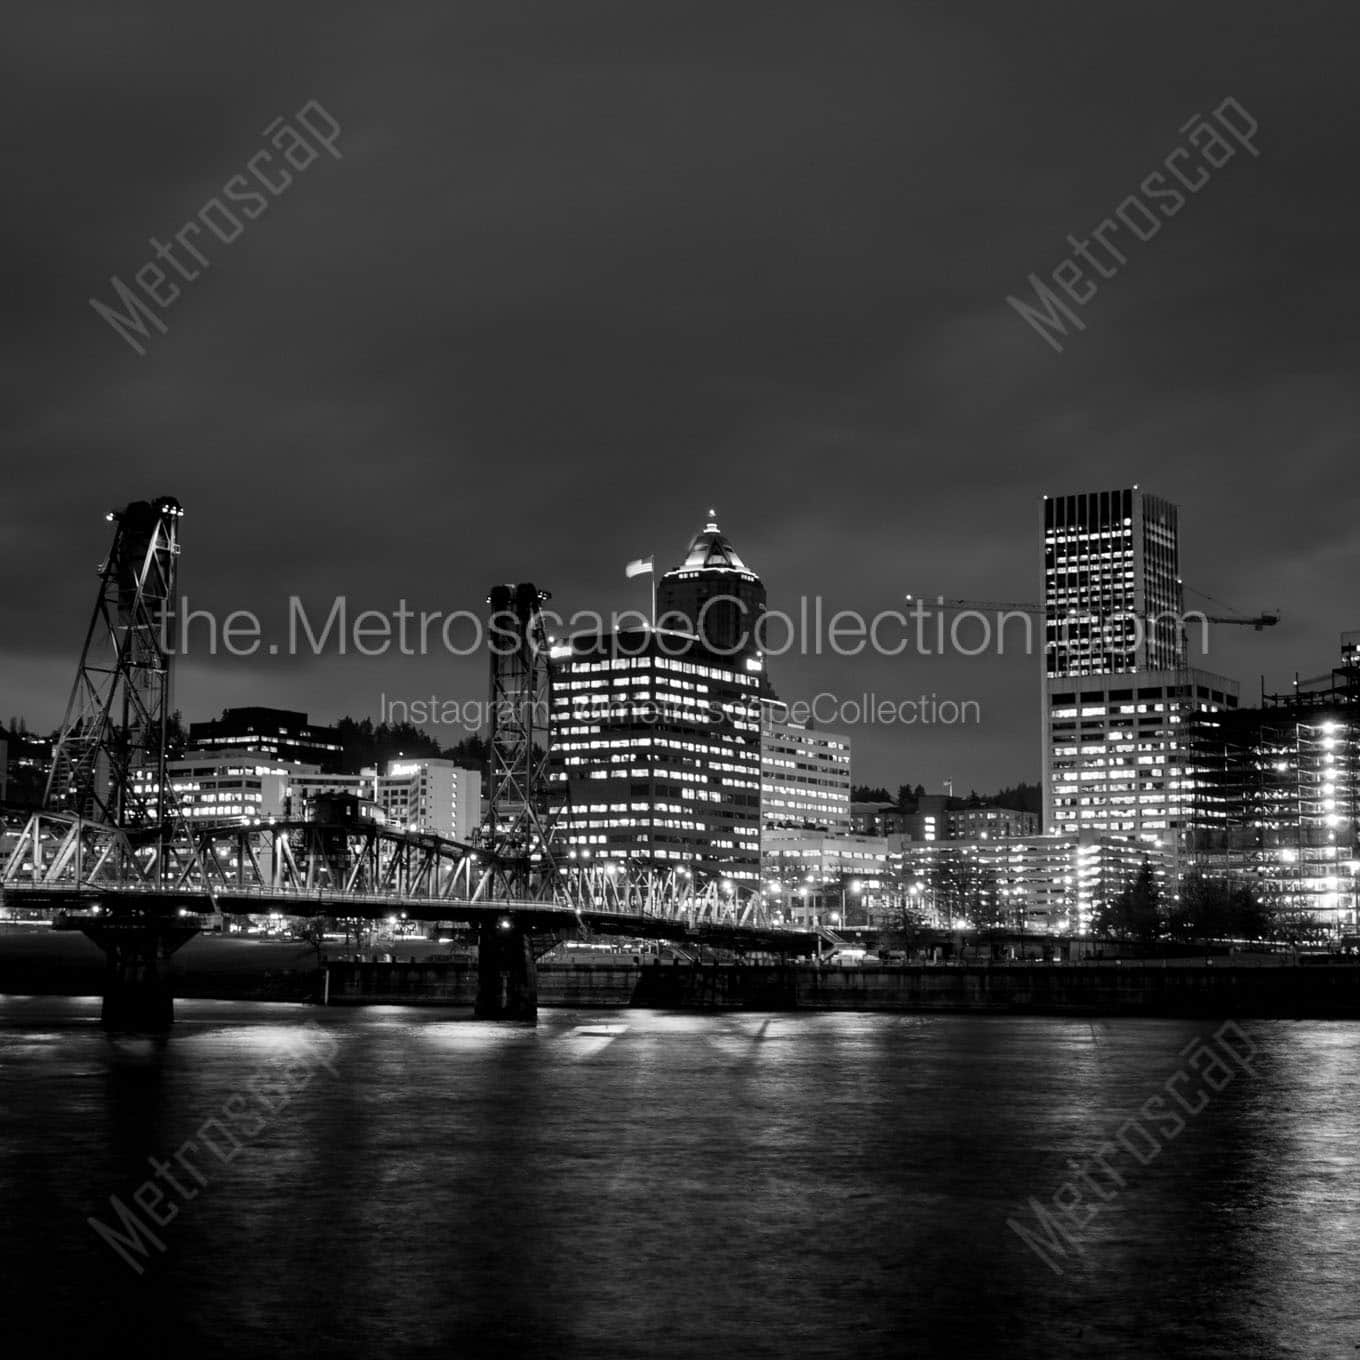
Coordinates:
1117	690
1111	560
713	594
656	745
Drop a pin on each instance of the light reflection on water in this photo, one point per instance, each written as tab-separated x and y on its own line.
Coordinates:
634	1183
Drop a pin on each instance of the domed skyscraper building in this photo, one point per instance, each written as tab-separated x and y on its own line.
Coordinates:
667	743
717	595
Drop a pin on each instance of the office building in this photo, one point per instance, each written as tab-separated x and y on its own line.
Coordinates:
1119	755
656	752
989	822
835	879
1278	807
713	594
226	786
270	731
1044	884
1112	592
310	796
877	819
804	774
1117	690
929	819
430	795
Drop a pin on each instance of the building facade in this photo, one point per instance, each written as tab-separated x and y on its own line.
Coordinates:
656	752
832	879
227	786
1120	755
804	775
277	732
1278	809
1118	694
1112	592
990	822
430	795
877	819
1045	884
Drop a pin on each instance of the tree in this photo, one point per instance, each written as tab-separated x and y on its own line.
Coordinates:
1213	909
1134	914
314	932
864	793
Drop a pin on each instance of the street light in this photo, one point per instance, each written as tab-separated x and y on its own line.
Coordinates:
856	887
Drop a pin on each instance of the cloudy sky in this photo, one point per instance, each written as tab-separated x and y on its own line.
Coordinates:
584	269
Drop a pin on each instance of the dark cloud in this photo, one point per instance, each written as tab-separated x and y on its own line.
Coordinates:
586	269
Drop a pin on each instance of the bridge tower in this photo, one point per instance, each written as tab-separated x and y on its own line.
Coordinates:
518	835
107	784
108	765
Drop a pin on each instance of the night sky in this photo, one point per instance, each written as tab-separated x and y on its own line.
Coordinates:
586	269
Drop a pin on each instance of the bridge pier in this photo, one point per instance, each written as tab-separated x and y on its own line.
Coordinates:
137	994
507	976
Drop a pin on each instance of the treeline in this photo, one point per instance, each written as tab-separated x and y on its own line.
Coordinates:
364	743
1204	909
1020	797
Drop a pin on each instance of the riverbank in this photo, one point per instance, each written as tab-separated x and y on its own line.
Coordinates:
66	964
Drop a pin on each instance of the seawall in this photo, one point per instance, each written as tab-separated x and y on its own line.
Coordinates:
1175	988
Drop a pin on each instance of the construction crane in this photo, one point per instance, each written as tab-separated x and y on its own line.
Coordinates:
1266	619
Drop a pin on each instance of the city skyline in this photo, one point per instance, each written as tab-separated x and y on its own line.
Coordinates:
342	406
1000	745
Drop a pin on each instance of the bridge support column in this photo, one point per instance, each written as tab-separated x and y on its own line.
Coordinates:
507	976
137	995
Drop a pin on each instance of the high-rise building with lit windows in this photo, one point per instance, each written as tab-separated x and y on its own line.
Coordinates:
656	752
1118	693
1278	806
804	774
1112	590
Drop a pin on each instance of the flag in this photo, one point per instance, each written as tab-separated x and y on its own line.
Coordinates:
642	566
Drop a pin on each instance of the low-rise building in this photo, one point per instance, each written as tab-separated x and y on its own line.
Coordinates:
226	786
278	732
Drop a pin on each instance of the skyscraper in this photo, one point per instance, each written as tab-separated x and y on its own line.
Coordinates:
1118	692
1112	590
713	594
656	732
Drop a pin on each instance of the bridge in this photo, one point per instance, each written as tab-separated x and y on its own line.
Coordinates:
114	853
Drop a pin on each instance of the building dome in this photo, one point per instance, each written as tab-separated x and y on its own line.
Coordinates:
711	551
713	594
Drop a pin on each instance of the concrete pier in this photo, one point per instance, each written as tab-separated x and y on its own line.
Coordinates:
507	976
137	991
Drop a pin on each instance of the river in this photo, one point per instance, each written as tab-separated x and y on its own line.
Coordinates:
401	1182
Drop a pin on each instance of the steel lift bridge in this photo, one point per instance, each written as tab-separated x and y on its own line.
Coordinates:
113	852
